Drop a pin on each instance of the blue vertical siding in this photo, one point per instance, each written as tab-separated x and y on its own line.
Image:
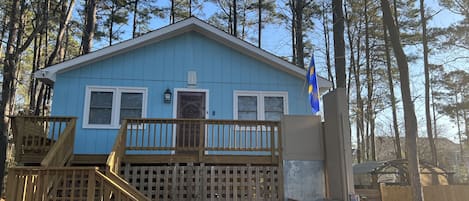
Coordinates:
164	64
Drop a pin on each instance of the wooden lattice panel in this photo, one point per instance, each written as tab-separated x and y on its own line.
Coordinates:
199	182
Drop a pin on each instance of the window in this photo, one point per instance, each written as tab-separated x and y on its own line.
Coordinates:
258	105
106	107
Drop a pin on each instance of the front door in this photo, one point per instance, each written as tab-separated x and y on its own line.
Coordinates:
190	105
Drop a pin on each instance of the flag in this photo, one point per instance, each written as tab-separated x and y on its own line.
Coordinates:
313	91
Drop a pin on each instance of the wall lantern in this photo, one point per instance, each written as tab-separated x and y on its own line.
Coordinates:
167	96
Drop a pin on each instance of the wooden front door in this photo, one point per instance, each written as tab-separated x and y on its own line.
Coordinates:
190	105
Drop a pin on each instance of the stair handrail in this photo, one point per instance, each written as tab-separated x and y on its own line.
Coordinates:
114	161
117	154
61	151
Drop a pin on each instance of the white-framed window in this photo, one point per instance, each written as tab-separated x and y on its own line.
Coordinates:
106	107
260	105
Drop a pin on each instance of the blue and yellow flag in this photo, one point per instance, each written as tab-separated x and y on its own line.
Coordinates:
313	91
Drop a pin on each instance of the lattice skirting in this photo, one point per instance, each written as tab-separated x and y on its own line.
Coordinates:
199	182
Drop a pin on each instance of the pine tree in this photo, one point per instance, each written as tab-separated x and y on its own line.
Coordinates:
409	111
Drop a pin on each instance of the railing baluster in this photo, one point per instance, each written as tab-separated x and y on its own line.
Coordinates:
223	134
217	130
154	134
149	134
213	137
234	135
166	135
130	134
143	134
161	135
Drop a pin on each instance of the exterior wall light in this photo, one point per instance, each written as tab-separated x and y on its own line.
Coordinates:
167	96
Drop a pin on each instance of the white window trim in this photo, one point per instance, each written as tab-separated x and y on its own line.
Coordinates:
260	101
116	102
175	99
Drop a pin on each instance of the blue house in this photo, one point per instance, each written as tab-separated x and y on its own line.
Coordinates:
185	95
206	73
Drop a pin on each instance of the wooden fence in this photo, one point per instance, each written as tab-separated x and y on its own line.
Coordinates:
34	136
66	184
199	182
431	193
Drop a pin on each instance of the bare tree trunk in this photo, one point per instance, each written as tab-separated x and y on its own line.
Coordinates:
90	26
259	33
2	34
111	22
339	44
354	68
32	81
66	15
235	19
299	46
134	24
369	81
64	48
409	111
461	143
327	43
435	129
190	8
397	137
8	91
293	31
428	115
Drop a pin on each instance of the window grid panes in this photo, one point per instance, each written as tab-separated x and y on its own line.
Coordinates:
106	107
260	106
100	108
131	105
247	107
273	108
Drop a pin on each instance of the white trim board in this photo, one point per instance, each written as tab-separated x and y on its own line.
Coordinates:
49	74
260	101
175	99
116	102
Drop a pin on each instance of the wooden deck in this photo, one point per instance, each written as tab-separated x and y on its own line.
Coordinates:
152	159
47	140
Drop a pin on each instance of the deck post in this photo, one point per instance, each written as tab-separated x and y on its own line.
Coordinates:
272	142
12	184
201	148
91	185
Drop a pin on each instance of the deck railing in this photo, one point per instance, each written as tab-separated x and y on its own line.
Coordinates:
66	183
62	150
34	136
197	137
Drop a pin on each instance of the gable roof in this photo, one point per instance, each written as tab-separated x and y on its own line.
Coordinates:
49	74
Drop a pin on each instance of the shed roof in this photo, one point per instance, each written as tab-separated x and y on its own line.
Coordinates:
49	74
